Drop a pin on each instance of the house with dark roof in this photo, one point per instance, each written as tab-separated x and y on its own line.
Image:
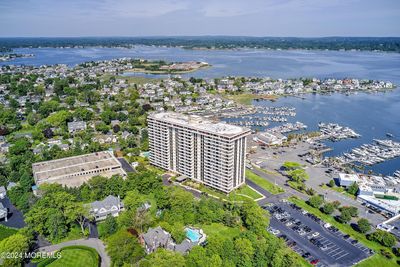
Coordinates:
76	126
111	205
157	238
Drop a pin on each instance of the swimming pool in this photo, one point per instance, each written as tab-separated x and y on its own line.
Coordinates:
193	235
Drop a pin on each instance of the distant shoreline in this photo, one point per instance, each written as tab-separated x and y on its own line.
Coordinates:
379	44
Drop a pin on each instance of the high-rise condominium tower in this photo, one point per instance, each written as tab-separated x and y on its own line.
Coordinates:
212	153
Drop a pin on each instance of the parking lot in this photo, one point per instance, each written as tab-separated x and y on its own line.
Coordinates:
318	242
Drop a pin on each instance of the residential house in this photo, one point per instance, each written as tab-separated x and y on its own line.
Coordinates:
111	205
76	126
157	238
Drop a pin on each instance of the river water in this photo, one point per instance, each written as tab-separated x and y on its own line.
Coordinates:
371	115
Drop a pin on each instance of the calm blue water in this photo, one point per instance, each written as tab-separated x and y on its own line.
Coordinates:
371	115
193	235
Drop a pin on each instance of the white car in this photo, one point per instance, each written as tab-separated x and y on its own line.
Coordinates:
276	232
327	225
315	234
304	212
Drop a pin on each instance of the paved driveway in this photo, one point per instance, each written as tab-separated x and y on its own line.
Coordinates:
125	165
90	242
15	217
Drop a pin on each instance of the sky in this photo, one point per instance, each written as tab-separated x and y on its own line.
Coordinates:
299	18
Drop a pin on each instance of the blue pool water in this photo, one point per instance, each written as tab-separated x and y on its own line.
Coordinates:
193	235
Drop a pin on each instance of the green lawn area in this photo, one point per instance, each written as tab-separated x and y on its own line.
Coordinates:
220	229
376	260
6	232
265	184
245	191
247	99
244	99
339	190
241	194
75	257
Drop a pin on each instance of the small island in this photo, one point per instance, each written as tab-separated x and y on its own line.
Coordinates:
126	65
162	67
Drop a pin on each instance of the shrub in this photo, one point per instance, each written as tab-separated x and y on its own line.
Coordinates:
363	225
328	208
386	254
345	216
315	201
384	238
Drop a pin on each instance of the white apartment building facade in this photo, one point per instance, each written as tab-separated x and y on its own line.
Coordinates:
211	153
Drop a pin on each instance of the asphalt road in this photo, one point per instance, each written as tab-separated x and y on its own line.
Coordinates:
340	252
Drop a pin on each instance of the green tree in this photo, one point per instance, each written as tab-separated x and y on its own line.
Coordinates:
254	218
51	214
353	211
315	201
80	213
345	216
384	238
298	175
123	248
245	251
353	189
290	165
59	118
328	208
198	257
17	244
164	258
363	225
331	183
110	225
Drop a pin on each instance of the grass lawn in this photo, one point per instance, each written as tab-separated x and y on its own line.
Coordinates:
220	229
265	184
6	232
245	191
75	257
247	99
339	190
244	99
346	228
241	194
377	261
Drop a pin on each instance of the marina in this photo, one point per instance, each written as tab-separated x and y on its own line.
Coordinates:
289	127
336	132
370	154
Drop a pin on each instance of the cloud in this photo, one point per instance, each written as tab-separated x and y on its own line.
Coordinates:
199	17
140	9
